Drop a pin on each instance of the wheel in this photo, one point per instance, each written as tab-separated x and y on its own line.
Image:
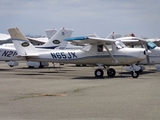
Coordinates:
11	65
111	72
135	75
99	73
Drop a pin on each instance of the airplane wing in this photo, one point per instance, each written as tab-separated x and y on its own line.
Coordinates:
95	41
90	40
132	41
156	41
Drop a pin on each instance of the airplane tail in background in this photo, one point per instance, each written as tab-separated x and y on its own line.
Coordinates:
58	39
113	36
22	44
50	33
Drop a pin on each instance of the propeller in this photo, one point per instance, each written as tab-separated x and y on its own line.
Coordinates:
147	51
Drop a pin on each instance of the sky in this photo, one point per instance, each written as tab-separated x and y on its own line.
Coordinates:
141	17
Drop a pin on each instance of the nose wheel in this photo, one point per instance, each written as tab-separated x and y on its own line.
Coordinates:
135	74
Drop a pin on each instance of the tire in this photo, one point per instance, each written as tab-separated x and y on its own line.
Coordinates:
135	75
111	72
99	73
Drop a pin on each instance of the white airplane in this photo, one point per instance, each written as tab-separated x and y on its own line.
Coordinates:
151	59
4	36
154	40
92	54
150	44
8	53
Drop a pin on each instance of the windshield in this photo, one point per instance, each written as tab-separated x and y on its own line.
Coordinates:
119	44
151	45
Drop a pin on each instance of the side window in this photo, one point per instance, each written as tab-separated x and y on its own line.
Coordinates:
100	48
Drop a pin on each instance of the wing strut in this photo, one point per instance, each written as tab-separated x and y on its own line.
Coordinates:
116	61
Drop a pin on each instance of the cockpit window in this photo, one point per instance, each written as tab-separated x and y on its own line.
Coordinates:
119	44
151	45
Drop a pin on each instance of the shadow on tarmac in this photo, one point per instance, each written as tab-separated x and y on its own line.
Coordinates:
122	75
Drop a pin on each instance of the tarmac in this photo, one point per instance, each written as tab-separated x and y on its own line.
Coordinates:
73	93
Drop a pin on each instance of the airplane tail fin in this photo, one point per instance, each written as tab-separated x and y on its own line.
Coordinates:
21	43
15	33
50	33
58	39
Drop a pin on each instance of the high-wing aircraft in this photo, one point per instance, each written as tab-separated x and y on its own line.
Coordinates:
8	53
92	54
151	59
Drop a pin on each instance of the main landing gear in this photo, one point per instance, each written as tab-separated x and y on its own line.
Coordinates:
111	72
99	72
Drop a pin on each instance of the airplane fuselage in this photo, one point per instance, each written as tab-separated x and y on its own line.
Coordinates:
124	56
8	53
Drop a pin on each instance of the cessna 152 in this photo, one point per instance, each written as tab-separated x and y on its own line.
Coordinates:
8	53
151	59
92	54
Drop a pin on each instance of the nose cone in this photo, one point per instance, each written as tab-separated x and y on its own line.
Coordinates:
136	55
143	53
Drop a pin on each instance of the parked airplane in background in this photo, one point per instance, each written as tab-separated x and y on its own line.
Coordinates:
9	53
154	40
6	41
151	59
4	36
43	39
92	54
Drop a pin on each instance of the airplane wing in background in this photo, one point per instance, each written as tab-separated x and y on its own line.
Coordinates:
37	41
130	41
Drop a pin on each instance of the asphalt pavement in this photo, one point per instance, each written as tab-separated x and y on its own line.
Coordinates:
67	92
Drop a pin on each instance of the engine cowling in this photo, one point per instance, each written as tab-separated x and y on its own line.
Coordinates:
135	67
